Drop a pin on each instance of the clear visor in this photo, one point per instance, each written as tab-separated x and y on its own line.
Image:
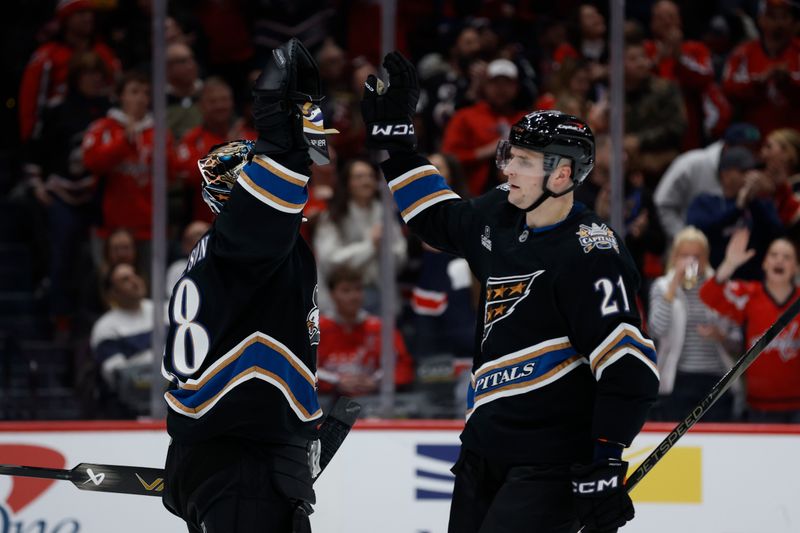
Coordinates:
502	156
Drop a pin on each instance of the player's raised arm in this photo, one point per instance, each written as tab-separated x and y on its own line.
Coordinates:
426	203
265	199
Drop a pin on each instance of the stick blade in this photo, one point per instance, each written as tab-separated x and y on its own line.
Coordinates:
120	479
346	410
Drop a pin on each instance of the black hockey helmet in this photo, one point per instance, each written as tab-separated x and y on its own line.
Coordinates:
556	135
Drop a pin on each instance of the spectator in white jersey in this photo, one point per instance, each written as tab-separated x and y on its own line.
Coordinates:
694	343
121	340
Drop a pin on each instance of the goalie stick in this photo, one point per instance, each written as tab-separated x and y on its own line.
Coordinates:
713	395
146	481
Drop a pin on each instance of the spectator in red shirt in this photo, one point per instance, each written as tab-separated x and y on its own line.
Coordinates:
689	64
474	131
762	76
349	353
119	150
587	41
44	82
773	380
570	89
218	125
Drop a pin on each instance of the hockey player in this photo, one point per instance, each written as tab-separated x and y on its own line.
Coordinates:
244	327
562	375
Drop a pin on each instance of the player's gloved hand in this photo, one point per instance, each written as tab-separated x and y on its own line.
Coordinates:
289	77
601	501
388	110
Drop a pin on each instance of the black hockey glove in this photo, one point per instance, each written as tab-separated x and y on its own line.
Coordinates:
289	79
601	501
388	110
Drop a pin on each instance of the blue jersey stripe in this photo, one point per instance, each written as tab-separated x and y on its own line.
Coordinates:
285	191
521	374
414	191
256	361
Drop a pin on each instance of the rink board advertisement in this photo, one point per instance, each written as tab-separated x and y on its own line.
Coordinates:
395	478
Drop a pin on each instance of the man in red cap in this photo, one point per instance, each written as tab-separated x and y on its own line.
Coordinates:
44	81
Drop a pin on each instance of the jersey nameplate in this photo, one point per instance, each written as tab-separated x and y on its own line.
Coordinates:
198	253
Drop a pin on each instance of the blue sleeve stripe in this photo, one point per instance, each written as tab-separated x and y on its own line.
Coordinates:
257	357
626	339
412	175
276	186
427	201
415	192
281	171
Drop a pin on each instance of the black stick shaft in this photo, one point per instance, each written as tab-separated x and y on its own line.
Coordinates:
714	394
142	480
34	471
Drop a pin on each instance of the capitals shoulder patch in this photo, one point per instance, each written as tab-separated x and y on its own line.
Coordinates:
594	236
502	296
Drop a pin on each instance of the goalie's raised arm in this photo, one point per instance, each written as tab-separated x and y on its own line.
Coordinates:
388	109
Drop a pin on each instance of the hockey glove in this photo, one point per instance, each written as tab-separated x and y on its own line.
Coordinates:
388	110
601	501
289	79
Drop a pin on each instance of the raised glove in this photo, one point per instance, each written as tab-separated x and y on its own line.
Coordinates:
601	501
289	79
388	111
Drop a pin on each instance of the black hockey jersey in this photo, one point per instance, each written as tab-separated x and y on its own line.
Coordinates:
244	323
560	361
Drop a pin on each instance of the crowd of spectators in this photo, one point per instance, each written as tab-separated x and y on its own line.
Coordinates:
711	174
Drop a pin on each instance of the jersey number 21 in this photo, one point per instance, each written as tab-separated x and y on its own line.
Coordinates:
607	287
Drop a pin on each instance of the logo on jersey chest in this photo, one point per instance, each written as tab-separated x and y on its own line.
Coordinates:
503	295
594	236
787	343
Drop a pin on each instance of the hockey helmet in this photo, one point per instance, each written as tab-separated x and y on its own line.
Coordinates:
556	135
220	168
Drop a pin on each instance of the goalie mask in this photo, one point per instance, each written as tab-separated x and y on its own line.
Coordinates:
556	135
220	168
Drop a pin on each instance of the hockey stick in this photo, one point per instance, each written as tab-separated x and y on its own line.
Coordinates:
144	481
335	427
99	478
713	395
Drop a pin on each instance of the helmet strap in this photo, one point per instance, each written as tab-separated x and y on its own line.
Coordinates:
546	193
551	162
